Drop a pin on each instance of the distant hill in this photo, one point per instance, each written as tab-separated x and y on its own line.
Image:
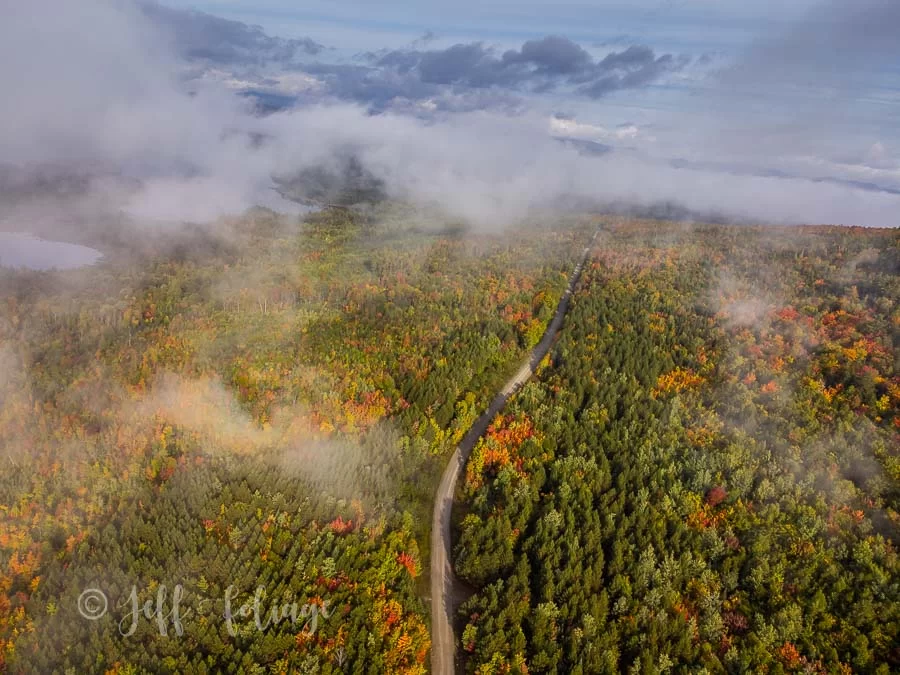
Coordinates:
343	182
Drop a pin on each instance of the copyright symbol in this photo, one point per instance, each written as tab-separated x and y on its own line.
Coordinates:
92	604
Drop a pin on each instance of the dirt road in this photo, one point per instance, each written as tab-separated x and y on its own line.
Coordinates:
445	594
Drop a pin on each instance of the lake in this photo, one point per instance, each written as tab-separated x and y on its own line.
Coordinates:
24	250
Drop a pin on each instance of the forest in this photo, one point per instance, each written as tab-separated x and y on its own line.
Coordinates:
703	475
267	407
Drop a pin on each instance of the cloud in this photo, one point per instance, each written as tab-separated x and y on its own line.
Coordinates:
491	169
208	38
244	54
832	45
816	88
568	127
540	65
470	64
553	55
375	87
113	102
426	37
637	75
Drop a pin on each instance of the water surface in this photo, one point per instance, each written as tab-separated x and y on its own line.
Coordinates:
26	251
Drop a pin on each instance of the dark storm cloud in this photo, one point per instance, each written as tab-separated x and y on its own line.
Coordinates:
203	37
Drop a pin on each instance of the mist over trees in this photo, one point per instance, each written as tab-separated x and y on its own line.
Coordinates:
268	406
706	473
702	474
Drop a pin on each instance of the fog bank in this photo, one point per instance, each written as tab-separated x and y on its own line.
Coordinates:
100	89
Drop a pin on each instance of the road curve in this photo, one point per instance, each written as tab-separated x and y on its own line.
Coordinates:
444	593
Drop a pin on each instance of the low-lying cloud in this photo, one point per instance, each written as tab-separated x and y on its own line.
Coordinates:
114	102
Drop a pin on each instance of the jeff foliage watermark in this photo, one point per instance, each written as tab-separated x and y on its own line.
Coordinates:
169	612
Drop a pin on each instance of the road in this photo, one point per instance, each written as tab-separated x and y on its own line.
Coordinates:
445	594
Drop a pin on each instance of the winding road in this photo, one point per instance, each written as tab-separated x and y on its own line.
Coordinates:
445	593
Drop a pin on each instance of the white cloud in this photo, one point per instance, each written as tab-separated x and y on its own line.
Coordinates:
112	100
879	157
296	83
570	128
